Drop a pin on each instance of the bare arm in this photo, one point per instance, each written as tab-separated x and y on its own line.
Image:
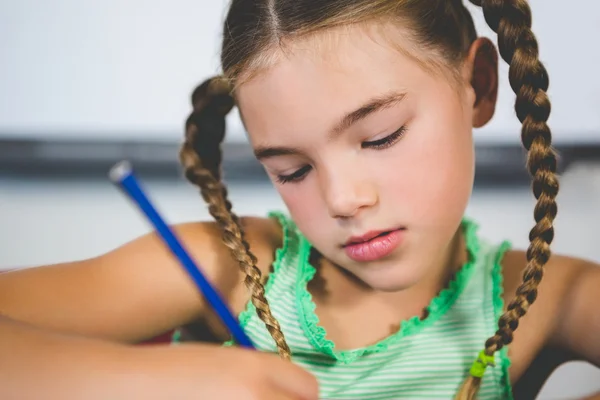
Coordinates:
578	326
562	325
132	293
36	364
48	360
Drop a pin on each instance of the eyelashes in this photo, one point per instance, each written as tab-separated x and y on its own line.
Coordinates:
386	142
380	144
294	177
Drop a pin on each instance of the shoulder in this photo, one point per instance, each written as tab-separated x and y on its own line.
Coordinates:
147	256
564	279
214	256
263	236
204	240
565	315
559	271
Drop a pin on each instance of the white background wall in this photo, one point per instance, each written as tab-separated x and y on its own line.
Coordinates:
125	69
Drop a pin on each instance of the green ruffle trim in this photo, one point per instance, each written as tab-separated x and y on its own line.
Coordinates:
498	299
436	309
176	336
289	234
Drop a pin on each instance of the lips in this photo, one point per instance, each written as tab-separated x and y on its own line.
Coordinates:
373	245
366	237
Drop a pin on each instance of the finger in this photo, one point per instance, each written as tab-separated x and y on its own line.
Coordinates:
294	381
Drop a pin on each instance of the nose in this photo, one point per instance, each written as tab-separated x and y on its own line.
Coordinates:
347	192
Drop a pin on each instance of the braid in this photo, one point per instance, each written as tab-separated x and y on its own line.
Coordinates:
201	158
511	20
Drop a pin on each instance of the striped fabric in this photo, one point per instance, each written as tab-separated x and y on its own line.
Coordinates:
426	359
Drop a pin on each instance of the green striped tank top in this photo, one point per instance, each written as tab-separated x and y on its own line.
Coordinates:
425	359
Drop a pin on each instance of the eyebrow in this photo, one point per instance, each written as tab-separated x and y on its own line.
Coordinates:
371	106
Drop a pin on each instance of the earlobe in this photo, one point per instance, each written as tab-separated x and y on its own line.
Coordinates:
483	62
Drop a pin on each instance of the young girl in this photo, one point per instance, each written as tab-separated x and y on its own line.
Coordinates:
376	286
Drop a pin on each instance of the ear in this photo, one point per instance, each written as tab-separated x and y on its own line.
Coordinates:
481	70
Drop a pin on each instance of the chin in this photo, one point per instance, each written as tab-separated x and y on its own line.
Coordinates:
393	279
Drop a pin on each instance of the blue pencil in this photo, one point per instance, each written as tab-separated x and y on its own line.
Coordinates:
122	175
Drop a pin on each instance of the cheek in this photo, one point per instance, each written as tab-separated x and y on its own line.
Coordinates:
435	176
304	204
450	173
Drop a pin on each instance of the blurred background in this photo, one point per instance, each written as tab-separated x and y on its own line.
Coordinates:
84	84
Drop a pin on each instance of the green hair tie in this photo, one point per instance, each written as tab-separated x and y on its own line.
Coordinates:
481	363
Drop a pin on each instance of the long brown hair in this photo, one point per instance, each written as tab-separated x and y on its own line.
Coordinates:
254	28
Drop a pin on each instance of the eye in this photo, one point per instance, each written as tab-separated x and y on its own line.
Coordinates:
294	177
386	142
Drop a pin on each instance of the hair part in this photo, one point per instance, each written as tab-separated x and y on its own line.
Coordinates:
257	32
437	34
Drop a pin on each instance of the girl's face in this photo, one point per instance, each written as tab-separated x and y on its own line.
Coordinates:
360	139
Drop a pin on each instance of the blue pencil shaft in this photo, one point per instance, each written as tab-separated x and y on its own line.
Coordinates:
129	184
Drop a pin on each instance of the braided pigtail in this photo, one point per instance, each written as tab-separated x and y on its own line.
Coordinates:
201	157
511	20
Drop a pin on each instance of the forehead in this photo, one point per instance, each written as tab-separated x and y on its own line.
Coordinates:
312	81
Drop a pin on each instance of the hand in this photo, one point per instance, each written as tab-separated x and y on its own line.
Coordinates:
210	372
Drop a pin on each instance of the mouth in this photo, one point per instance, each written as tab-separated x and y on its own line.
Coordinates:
374	245
369	236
